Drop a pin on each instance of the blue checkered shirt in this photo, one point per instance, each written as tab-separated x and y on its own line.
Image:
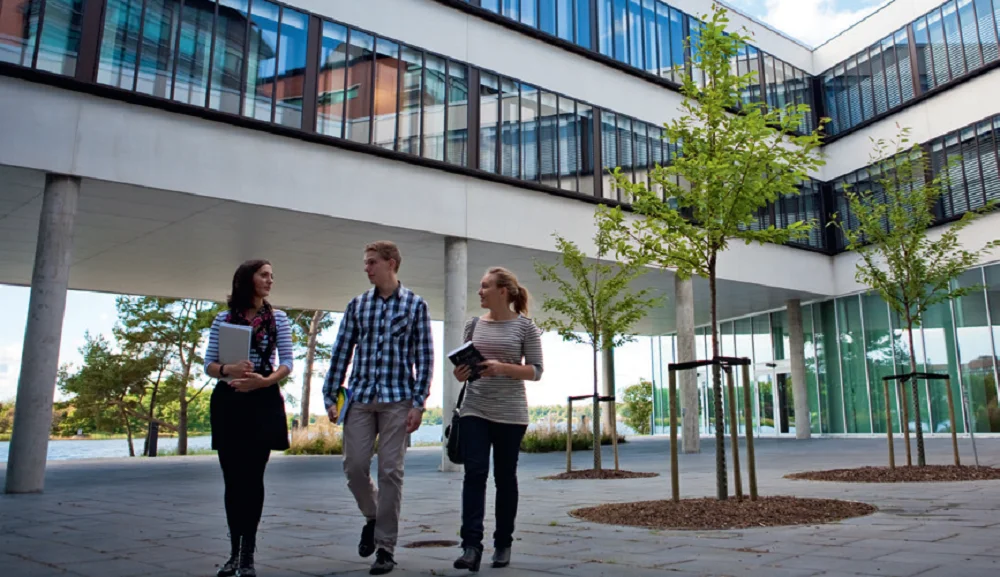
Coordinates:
395	350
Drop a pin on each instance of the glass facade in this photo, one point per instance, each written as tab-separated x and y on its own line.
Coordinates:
851	344
956	39
41	34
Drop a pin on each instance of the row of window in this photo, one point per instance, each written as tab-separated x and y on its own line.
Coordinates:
971	157
947	43
650	35
851	343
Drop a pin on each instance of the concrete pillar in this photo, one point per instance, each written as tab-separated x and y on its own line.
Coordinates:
608	388
687	381
797	356
29	441
456	292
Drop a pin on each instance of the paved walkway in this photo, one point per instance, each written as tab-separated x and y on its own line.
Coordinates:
114	518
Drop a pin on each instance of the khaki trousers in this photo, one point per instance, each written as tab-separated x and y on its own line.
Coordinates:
363	423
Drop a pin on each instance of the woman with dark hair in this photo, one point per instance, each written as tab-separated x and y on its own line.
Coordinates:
248	412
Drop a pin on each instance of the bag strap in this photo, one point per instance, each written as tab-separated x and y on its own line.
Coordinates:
461	394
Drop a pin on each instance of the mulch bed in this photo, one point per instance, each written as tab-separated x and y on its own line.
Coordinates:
712	514
927	474
602	474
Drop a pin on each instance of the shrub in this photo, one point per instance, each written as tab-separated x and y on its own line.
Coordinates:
547	439
638	406
321	438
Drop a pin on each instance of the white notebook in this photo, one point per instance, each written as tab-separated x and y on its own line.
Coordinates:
234	344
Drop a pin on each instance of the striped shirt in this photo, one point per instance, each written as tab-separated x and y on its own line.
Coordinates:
284	348
395	350
503	399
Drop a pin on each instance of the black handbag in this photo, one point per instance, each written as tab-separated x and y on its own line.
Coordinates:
453	433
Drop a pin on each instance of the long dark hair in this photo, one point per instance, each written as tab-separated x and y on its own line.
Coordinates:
243	294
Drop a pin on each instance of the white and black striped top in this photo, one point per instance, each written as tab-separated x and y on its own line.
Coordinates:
502	399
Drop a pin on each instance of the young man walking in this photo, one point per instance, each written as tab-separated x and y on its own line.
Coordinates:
390	328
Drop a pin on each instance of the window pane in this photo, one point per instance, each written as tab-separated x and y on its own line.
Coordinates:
331	89
626	147
865	76
510	8
881	360
939	50
988	159
491	5
891	66
970	34
60	41
585	131
193	54
854	93
828	359
410	118
971	164
386	83
456	150
663	31
510	156
953	37
435	83
529	132
925	56
621	30
291	68
753	60
564	13
229	57
569	144
939	344
528	14
583	18
606	27
879	79
609	151
993	300
119	43
975	353
548	139
695	40
489	115
677	41
263	60
361	54
157	53
853	365
649	36
987	30
635	30
19	21
546	16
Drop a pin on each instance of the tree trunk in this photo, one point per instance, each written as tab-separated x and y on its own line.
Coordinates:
921	457
310	357
721	474
128	431
152	409
596	419
182	425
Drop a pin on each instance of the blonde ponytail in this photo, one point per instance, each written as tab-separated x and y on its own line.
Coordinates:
517	295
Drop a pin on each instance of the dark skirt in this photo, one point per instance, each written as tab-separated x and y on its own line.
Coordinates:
248	420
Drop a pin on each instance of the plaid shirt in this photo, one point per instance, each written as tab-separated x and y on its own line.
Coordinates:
395	350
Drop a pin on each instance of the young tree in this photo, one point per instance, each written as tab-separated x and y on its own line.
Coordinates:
306	328
638	401
596	298
178	325
728	167
909	268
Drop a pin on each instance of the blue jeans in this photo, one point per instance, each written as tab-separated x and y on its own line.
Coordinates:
478	437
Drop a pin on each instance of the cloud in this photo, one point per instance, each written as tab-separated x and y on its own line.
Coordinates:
811	21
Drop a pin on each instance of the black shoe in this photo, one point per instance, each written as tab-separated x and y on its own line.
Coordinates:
367	545
229	569
383	563
501	557
470	559
246	569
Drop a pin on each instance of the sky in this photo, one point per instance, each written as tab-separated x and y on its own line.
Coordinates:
568	367
811	21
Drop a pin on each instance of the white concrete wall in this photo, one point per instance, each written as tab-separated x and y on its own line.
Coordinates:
885	21
91	137
983	230
937	116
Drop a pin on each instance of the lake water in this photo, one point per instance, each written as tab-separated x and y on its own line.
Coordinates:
114	448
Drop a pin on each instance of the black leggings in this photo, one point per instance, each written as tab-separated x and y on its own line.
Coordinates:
243	473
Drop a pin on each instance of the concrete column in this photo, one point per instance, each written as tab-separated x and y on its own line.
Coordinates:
687	381
456	292
797	356
608	388
29	441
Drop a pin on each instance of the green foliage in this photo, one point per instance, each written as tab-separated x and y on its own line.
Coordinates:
432	416
307	325
909	268
542	440
728	168
638	402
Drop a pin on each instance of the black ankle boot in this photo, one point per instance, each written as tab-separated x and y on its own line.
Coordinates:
247	546
470	559
501	557
229	569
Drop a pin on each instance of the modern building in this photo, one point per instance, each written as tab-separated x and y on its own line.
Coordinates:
147	146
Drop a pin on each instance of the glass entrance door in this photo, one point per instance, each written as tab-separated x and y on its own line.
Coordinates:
775	404
784	419
765	403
